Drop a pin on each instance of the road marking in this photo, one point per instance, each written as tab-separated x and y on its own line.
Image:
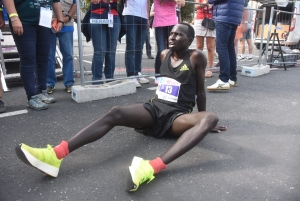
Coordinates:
13	113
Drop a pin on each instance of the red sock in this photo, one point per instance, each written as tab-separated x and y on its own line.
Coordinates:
61	150
157	165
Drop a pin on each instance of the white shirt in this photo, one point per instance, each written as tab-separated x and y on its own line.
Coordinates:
137	8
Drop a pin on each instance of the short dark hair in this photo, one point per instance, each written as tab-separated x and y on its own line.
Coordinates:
191	31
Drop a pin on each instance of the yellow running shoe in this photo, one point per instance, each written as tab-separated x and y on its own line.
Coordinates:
139	172
44	159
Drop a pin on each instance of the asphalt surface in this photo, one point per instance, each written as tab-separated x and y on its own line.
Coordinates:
257	158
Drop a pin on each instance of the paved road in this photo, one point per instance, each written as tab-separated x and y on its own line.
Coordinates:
256	159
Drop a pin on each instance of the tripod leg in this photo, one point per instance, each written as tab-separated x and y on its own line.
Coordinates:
282	59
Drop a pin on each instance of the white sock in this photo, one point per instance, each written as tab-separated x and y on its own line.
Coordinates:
243	56
249	55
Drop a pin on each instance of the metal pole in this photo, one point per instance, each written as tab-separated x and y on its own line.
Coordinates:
262	33
78	11
269	31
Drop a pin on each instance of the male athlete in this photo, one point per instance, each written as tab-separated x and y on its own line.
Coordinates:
168	113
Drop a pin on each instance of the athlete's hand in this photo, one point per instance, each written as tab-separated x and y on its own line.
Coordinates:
218	129
17	26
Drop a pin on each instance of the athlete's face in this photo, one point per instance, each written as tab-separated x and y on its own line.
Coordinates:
178	39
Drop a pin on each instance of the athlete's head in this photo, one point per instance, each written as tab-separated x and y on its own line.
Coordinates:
181	36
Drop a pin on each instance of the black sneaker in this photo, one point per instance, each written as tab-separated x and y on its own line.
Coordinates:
69	89
217	65
2	107
50	90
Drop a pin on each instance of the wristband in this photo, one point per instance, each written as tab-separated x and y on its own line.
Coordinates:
61	22
13	14
69	17
1	9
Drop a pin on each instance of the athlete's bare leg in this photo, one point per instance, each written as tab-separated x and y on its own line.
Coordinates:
191	129
135	116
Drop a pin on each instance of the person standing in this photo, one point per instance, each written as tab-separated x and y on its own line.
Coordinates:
65	37
205	11
164	20
136	21
227	16
104	34
247	36
32	38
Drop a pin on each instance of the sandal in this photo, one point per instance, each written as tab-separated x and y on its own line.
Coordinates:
208	74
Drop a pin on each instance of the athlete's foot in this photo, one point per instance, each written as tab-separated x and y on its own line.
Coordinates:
43	159
140	171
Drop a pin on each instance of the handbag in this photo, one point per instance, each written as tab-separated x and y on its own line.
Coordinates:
208	23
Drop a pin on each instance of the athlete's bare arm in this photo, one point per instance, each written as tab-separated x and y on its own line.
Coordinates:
199	62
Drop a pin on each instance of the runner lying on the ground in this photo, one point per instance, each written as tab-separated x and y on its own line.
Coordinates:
167	114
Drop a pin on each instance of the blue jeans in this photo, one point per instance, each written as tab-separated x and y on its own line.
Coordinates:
66	48
135	37
225	34
104	41
162	40
33	47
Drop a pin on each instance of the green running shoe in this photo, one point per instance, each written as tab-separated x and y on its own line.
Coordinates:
44	159
139	172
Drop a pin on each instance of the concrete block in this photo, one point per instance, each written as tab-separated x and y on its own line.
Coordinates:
96	92
255	71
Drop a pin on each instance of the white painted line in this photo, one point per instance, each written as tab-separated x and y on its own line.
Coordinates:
7	114
152	88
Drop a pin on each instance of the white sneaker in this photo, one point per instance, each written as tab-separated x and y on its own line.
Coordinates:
240	58
137	84
219	85
142	80
232	83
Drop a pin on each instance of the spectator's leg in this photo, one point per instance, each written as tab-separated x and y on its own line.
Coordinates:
66	47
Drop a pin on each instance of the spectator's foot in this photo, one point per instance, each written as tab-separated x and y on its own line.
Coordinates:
217	65
2	107
45	97
137	84
36	103
208	74
50	90
250	59
140	171
240	58
69	89
150	57
142	80
219	85
232	83
44	159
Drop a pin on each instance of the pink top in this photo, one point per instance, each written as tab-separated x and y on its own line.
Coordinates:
165	14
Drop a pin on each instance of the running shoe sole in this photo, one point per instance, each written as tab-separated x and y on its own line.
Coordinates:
28	159
36	108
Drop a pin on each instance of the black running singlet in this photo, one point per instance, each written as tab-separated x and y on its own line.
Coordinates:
168	90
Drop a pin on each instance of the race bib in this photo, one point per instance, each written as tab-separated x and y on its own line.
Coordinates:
168	89
99	21
45	17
